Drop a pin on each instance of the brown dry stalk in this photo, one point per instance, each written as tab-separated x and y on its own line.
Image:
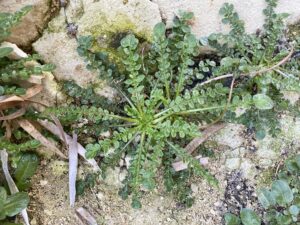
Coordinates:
178	166
14	115
252	74
22	100
85	216
56	131
61	129
31	130
204	136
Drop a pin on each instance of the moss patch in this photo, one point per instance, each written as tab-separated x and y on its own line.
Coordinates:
265	178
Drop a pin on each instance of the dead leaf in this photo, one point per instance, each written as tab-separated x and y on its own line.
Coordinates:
204	136
14	115
13	101
178	166
61	129
73	163
10	101
81	150
85	216
32	91
30	129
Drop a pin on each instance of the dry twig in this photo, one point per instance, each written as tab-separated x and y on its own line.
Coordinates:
252	74
85	216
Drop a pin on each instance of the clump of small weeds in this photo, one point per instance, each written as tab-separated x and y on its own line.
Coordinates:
281	202
169	94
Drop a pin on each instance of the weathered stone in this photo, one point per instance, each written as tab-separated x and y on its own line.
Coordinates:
128	159
51	94
122	175
248	169
112	177
291	130
293	97
267	150
112	17
60	50
233	163
270	149
108	21
230	136
32	24
194	188
207	18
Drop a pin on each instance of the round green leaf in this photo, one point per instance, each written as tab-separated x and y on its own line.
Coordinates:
2	90
260	134
5	51
263	102
3	194
266	198
283	219
26	168
249	217
136	204
282	192
231	219
297	160
294	210
15	203
159	29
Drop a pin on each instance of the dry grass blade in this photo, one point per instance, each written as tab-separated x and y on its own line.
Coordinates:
85	216
7	125
30	129
283	61
11	184
10	101
73	163
254	73
32	91
14	115
61	129
178	166
205	135
13	101
56	131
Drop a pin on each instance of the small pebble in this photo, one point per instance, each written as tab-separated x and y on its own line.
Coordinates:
43	182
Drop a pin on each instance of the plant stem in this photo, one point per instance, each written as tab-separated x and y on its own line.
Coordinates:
167	90
124	118
161	113
180	81
199	110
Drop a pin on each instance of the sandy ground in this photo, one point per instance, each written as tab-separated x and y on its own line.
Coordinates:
49	205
